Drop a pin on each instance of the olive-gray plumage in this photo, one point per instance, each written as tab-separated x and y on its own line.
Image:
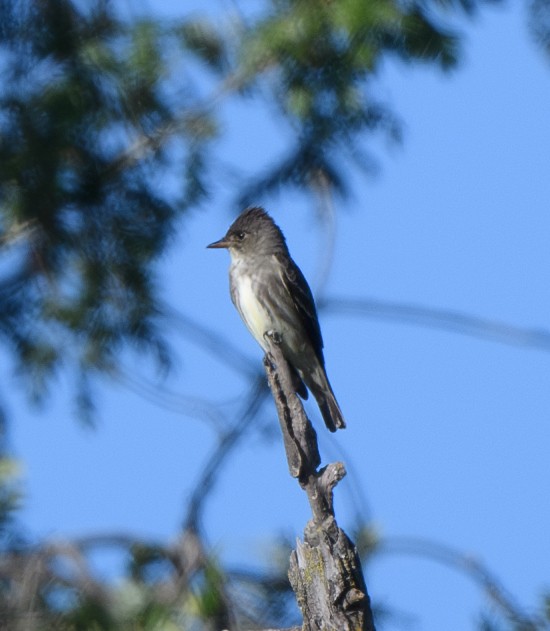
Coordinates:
271	295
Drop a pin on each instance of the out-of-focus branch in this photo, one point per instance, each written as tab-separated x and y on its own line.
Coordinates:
225	446
445	319
31	573
327	217
217	345
194	407
186	556
469	565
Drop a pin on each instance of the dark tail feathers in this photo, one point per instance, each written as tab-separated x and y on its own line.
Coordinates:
332	415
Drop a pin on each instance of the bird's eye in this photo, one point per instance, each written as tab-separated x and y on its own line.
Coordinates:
240	235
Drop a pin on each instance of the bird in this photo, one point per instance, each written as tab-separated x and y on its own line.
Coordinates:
275	302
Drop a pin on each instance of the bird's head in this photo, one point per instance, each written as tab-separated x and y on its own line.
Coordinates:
253	233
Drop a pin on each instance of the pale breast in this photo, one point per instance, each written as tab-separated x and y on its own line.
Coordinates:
256	318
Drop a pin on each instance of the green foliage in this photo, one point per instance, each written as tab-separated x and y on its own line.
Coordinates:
203	40
539	23
84	213
319	58
10	500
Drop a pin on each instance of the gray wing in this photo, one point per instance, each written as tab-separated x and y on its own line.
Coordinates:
298	289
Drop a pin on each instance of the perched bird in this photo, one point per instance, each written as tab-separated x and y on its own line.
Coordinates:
273	298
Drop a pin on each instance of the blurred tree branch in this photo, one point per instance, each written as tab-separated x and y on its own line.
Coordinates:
219	346
446	319
472	568
226	444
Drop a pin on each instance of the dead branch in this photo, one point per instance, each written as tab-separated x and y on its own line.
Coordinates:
325	569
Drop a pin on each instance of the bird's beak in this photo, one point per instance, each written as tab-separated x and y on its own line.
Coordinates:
222	243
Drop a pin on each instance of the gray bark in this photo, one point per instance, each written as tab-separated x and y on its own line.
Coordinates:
325	569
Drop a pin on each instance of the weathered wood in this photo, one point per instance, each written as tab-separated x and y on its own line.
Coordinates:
325	569
299	437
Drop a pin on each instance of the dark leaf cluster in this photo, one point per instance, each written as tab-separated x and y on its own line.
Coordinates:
84	208
320	58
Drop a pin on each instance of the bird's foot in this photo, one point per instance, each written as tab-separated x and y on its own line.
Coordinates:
273	336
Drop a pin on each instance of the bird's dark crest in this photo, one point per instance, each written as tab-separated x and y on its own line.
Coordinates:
251	217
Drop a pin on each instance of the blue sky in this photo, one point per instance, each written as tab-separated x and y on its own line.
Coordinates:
447	434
